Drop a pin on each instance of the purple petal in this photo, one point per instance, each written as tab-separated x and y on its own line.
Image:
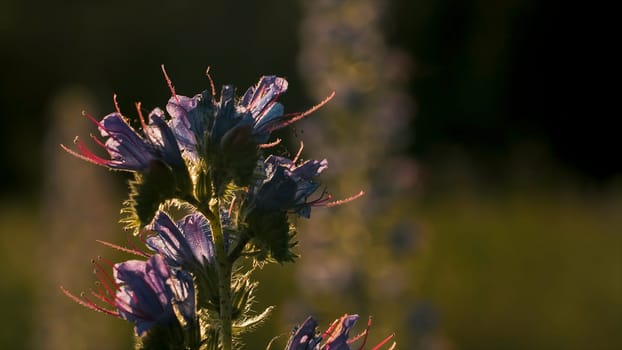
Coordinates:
310	169
144	297
168	241
304	337
179	108
198	237
126	148
338	339
185	243
263	94
161	136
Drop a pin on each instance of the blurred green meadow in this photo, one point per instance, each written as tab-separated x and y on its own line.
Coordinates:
531	264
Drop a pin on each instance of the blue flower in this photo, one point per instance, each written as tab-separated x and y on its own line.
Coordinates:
129	150
145	297
190	117
187	243
262	111
304	337
145	293
287	186
252	118
336	337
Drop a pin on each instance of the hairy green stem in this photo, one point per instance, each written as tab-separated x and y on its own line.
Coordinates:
224	275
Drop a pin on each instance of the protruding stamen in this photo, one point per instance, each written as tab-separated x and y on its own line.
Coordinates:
297	116
102	295
123	249
365	333
86	154
346	200
170	84
136	249
97	141
141	116
302	145
211	81
116	105
86	114
384	341
330	328
269	145
82	300
105	279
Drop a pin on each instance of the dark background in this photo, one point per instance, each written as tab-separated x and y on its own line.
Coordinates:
487	75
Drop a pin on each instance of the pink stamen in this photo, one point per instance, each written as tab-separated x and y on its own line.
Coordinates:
116	105
141	117
363	334
297	116
95	121
98	141
137	249
123	249
101	126
102	296
269	145
170	84
302	145
322	199
87	303
211	82
86	154
105	279
330	328
346	200
384	341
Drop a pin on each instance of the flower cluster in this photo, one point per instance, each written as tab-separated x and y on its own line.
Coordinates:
206	192
337	336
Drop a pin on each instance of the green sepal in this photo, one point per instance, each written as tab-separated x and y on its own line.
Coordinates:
207	288
203	188
159	337
147	191
272	235
237	159
249	324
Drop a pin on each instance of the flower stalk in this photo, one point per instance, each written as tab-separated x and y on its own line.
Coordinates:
224	275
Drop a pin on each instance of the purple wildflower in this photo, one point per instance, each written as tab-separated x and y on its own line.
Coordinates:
336	336
189	119
252	118
186	243
142	292
262	110
304	337
144	298
287	186
129	150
